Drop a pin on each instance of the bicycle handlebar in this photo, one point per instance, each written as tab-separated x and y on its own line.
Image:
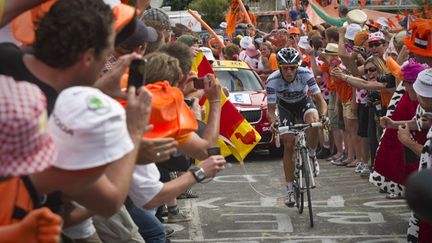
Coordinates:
298	127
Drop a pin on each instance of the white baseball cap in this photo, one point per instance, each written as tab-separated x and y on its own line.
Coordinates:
89	129
423	84
352	30
208	53
304	43
245	42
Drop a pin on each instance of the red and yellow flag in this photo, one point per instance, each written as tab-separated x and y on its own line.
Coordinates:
237	136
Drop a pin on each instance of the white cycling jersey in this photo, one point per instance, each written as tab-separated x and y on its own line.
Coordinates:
291	92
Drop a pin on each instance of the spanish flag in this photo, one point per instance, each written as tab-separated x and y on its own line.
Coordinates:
237	136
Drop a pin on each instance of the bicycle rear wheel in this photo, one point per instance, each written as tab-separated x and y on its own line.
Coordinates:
307	175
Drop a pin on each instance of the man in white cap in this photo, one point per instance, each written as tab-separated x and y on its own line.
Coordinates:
244	43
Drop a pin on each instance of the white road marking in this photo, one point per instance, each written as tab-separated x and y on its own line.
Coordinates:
207	203
296	237
344	217
387	204
283	222
238	178
195	230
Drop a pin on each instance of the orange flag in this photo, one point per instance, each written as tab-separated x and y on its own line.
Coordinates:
237	136
231	17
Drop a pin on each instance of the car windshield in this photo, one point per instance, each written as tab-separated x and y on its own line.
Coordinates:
237	80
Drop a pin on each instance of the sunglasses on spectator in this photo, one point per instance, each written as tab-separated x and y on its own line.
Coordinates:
289	67
375	44
370	70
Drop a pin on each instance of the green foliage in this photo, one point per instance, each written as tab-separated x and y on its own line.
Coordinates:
177	5
211	11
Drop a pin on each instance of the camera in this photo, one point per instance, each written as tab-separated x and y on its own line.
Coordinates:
388	79
374	100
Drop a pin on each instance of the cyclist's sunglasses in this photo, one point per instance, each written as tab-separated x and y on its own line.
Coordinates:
288	67
375	44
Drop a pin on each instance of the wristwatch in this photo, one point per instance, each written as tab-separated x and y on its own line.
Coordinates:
198	173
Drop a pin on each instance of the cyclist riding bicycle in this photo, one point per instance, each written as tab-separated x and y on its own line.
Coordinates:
287	89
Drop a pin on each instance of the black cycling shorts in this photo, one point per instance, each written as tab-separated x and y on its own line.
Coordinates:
292	113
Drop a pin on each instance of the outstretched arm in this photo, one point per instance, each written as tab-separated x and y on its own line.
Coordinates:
330	20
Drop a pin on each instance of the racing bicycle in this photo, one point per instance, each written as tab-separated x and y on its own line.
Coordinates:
304	179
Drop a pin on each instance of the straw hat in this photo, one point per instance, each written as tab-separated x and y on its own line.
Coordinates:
331	49
357	16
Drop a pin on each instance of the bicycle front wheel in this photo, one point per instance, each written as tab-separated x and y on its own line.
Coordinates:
307	186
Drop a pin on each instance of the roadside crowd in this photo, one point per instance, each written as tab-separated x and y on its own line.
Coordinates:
85	155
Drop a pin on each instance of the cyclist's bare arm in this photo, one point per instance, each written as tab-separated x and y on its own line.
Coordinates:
319	101
271	113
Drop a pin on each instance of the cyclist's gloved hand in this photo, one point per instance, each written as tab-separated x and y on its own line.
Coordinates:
324	120
274	126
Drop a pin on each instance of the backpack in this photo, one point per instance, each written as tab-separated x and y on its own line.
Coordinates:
18	198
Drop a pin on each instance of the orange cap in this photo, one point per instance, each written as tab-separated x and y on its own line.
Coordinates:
420	41
293	30
23	26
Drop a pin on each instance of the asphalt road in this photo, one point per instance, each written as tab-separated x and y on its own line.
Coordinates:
245	204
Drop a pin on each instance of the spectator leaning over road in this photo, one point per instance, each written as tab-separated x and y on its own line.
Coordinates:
146	190
26	148
84	121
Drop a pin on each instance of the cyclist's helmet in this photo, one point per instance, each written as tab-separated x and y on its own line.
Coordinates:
288	56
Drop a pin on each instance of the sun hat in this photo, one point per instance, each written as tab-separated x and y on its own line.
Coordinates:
251	50
189	40
361	37
89	129
352	30
293	30
420	41
245	42
423	84
376	36
24	26
207	53
156	15
331	49
304	43
25	145
411	69
357	16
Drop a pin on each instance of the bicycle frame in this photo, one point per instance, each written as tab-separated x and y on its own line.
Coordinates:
300	146
302	165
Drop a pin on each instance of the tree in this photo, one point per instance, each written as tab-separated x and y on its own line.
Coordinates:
177	5
212	11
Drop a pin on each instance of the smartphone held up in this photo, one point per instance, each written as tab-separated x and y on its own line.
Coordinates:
137	73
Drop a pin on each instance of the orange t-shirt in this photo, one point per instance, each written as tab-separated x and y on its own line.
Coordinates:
385	98
330	84
343	90
273	62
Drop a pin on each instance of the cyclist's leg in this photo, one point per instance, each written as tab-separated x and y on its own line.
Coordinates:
286	118
310	115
